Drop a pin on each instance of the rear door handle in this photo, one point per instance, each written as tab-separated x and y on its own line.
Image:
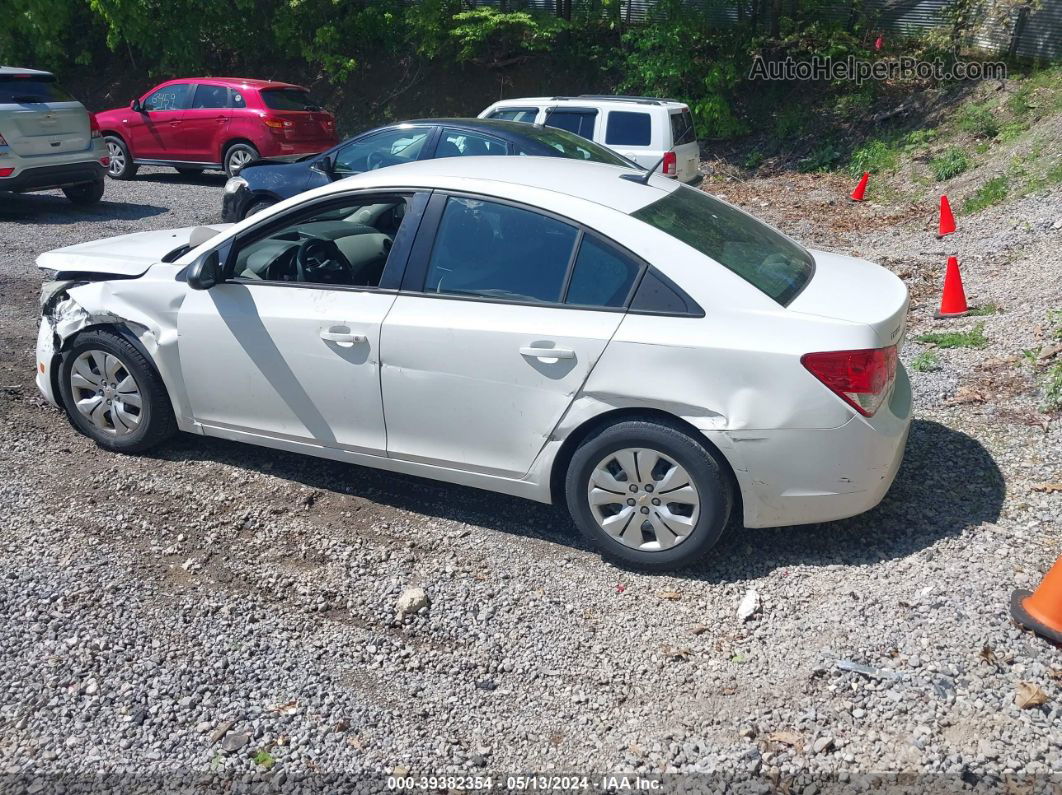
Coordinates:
340	336
547	353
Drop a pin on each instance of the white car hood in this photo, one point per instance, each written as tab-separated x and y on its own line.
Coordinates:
125	255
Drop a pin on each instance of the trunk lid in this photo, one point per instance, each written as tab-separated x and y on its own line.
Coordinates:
125	255
857	291
43	129
304	125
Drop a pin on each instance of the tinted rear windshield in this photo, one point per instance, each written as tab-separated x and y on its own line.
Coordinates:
289	99
682	131
755	252
16	89
575	146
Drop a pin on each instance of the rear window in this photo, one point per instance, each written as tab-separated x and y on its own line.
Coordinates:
574	146
25	89
527	115
765	259
289	99
629	129
682	131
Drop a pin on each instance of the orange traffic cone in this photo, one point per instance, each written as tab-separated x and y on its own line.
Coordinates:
953	300
947	220
1041	611
861	188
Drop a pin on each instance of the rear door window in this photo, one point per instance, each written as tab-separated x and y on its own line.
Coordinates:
288	99
767	260
682	131
516	114
603	276
28	89
492	250
626	128
576	120
175	97
210	97
460	143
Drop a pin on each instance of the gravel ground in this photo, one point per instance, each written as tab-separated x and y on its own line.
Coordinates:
218	609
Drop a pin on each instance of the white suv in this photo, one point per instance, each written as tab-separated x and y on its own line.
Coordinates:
645	129
47	138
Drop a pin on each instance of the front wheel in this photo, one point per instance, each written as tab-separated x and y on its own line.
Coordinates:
86	192
237	156
121	164
648	495
113	394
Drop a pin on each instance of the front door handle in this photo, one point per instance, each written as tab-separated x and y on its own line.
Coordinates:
547	353
341	336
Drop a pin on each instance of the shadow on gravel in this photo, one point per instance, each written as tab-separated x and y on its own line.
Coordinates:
948	482
48	208
207	178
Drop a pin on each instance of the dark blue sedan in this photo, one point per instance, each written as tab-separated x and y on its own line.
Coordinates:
264	183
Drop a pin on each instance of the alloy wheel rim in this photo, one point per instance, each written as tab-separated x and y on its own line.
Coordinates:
238	159
643	499
105	393
117	156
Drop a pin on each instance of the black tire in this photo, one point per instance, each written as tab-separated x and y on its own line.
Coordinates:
156	422
121	165
235	158
189	171
86	192
707	475
257	206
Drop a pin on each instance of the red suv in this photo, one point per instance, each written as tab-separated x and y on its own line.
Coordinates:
215	122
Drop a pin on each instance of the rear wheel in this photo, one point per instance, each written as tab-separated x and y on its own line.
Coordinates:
113	394
237	156
121	164
86	192
649	495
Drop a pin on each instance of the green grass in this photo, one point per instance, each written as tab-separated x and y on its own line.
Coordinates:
925	362
822	158
950	164
886	153
992	192
974	338
1053	388
979	120
264	758
986	309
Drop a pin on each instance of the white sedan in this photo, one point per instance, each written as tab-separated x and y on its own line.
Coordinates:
562	331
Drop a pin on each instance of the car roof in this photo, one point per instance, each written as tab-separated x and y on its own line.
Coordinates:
594	182
18	70
515	129
242	82
584	100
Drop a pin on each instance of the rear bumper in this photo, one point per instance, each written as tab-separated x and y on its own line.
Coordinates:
790	477
56	176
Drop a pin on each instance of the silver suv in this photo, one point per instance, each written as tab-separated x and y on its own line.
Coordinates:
47	138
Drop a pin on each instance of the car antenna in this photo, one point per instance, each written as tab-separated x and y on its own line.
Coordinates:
643	179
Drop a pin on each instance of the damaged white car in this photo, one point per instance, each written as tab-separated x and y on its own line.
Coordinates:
567	332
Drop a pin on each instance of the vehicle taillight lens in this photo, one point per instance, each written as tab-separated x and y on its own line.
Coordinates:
6	172
862	379
94	126
278	124
329	123
670	164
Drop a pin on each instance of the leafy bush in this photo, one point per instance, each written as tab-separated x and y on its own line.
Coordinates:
950	164
925	362
979	120
822	158
876	156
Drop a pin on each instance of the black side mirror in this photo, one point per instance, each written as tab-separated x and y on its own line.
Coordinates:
325	165
205	272
136	106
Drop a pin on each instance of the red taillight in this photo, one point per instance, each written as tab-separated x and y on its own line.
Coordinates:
6	172
670	164
278	124
861	379
105	161
94	126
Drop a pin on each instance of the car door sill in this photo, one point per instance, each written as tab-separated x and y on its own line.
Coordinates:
514	487
176	163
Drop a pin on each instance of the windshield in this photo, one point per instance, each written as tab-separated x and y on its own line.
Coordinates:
288	99
764	258
19	89
575	146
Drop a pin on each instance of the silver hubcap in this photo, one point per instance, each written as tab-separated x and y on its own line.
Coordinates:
643	499
106	393
238	159
117	156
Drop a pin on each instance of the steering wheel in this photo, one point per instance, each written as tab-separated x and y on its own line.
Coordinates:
375	160
320	260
